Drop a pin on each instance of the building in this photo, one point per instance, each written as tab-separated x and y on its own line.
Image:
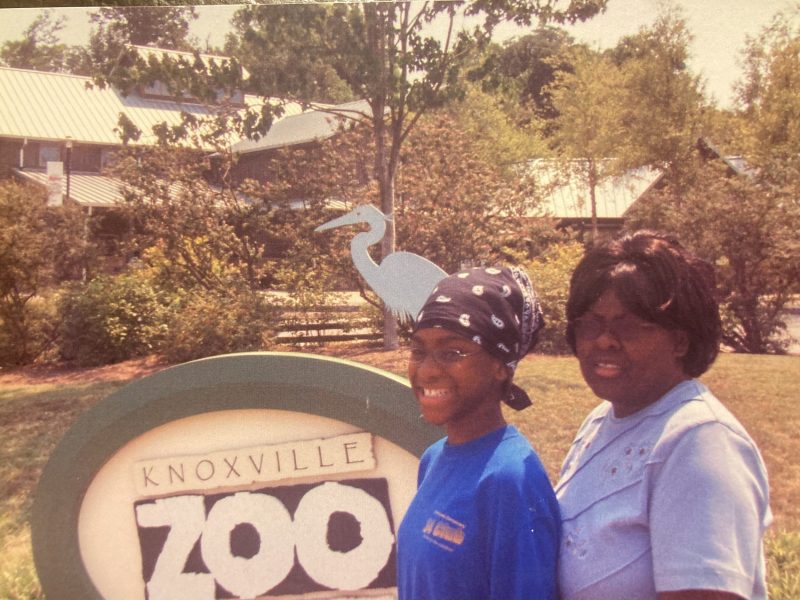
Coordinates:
297	130
564	194
60	118
56	117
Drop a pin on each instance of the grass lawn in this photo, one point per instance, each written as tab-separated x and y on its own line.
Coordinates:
759	390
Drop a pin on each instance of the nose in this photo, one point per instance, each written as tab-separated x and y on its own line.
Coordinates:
607	339
426	369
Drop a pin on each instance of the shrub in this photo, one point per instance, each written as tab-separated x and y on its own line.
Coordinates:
550	273
206	323
39	246
111	319
27	331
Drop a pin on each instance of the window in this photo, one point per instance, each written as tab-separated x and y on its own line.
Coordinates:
48	154
106	157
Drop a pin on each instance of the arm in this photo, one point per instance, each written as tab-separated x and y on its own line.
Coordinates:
708	509
524	540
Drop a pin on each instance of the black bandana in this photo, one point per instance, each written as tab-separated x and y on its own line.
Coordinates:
495	307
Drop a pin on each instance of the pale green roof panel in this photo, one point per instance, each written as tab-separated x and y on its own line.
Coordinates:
41	105
564	193
54	106
86	189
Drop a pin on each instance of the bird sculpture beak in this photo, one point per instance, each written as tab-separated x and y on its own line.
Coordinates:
348	219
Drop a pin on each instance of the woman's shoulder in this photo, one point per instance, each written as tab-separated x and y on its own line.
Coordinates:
513	450
514	463
431	453
701	418
699	407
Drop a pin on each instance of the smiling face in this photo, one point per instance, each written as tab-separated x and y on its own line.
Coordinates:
631	362
462	395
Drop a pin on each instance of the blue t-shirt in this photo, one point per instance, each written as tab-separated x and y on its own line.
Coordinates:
483	525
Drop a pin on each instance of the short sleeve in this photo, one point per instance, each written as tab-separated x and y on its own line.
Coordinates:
709	508
524	543
425	463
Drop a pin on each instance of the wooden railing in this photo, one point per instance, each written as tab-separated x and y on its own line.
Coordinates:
318	332
340	322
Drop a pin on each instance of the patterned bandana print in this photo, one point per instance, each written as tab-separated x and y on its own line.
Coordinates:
495	307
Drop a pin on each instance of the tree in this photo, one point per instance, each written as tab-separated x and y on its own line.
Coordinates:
589	132
746	220
496	133
662	112
525	68
206	237
747	223
402	71
768	102
388	54
159	26
409	72
268	38
551	271
39	246
446	188
446	185
198	230
748	229
116	27
40	49
632	106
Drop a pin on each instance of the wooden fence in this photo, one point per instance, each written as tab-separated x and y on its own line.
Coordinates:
338	323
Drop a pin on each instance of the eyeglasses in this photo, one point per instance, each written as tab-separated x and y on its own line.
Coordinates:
626	329
443	356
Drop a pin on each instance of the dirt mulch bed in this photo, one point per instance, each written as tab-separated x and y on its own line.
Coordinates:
61	373
391	360
395	361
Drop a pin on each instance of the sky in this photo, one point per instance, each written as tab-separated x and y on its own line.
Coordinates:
719	28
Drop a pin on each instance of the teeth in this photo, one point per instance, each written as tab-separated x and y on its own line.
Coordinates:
433	393
607	369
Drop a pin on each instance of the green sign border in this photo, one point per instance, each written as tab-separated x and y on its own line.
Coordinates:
369	398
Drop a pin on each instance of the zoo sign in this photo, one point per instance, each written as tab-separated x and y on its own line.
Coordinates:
259	475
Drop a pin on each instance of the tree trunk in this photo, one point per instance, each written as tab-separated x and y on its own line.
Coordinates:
593	199
390	335
386	175
380	19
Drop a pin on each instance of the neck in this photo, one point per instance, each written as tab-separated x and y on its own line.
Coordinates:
626	409
473	426
359	251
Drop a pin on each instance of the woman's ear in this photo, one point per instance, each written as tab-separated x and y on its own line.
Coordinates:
681	343
503	373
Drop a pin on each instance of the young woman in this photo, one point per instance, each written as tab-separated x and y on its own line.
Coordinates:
663	494
484	523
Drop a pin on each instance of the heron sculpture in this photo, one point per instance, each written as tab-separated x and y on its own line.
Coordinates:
403	280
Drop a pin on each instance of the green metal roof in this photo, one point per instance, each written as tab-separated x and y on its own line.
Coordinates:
38	105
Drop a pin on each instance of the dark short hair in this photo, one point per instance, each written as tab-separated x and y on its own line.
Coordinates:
658	280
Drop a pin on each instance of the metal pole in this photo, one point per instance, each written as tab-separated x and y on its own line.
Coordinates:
69	162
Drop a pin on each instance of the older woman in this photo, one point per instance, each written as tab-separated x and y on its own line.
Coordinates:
484	523
663	493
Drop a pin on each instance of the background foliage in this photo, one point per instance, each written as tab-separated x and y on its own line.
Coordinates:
110	319
208	261
450	122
